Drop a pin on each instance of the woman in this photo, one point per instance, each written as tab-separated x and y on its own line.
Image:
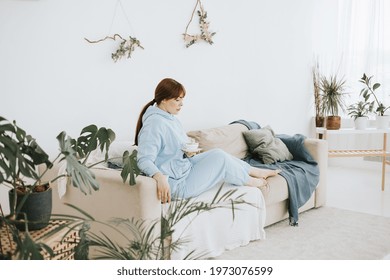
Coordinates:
160	138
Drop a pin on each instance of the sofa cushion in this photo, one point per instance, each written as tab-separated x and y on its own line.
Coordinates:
228	138
263	144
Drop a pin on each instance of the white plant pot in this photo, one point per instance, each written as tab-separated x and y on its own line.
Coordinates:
361	123
382	121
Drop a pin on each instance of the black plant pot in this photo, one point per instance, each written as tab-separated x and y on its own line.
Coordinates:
37	207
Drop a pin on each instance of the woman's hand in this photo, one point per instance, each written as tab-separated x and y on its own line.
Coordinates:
191	154
163	189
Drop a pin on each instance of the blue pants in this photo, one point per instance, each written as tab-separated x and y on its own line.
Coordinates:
210	168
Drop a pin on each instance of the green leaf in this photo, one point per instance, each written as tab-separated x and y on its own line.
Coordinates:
82	177
7	127
87	141
105	137
130	169
36	153
91	129
19	152
28	249
19	133
90	138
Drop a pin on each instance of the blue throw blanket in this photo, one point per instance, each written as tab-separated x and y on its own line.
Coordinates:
302	173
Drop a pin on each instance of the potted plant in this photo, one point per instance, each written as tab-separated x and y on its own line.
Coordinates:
368	91
141	243
20	156
319	112
332	100
359	112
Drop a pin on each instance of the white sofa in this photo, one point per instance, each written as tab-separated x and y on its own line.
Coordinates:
210	233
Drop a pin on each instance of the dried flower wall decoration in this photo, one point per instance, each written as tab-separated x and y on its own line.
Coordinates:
126	47
205	34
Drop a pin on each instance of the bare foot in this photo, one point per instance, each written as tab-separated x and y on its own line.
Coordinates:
256	182
263	173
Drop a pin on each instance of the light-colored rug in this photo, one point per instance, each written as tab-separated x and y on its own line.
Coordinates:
323	234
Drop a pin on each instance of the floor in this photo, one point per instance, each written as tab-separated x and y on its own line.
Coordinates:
355	184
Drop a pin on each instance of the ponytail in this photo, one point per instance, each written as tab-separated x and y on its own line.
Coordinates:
167	89
139	122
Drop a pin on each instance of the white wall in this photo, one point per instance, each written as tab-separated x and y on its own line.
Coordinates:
258	69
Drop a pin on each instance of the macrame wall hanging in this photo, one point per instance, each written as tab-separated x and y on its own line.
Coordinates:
126	47
205	34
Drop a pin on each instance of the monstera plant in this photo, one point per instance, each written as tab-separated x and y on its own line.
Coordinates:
20	156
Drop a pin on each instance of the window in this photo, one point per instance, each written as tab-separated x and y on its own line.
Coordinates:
364	44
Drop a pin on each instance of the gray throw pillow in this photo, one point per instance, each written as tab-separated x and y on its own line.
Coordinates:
263	144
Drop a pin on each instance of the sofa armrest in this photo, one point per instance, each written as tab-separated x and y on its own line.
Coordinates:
319	151
114	198
141	198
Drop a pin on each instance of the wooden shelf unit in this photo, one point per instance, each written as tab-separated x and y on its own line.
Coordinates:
383	153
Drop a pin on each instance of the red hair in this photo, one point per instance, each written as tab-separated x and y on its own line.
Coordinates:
166	89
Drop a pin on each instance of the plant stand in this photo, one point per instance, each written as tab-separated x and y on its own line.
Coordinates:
383	153
62	243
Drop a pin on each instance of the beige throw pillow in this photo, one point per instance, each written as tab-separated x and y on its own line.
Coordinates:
263	144
228	138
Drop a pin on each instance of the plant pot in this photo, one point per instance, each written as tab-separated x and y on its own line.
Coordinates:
361	123
37	207
320	121
382	122
333	122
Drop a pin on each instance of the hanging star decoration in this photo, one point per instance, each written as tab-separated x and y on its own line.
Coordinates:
205	34
125	48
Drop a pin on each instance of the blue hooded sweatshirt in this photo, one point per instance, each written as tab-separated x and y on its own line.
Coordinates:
160	141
